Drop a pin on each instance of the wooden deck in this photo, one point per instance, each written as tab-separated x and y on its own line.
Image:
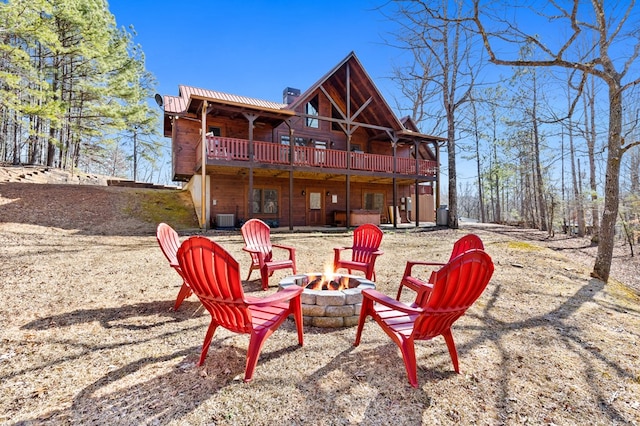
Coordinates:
221	149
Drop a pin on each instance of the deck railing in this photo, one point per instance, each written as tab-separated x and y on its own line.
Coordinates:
232	149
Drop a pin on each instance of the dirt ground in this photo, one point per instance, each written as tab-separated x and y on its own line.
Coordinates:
87	334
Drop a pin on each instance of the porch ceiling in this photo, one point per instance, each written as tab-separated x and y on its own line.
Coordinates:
243	172
218	109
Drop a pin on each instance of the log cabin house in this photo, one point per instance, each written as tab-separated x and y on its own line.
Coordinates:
335	155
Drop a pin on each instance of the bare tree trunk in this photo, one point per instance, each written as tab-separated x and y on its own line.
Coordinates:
591	142
634	179
627	233
562	184
4	118
51	146
476	134
542	208
453	194
602	266
539	184
16	145
135	155
583	222
577	193
498	215
34	148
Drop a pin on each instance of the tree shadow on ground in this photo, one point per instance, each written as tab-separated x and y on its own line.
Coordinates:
162	398
114	317
173	395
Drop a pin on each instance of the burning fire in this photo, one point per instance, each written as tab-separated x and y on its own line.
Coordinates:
329	280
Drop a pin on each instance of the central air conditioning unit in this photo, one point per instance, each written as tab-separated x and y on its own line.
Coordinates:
225	221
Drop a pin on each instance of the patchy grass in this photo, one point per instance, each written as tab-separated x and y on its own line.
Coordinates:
522	245
155	206
622	291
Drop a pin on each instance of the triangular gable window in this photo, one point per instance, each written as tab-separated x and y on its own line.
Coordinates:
312	110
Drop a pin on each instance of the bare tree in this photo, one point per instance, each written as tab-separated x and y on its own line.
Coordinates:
581	22
440	45
527	99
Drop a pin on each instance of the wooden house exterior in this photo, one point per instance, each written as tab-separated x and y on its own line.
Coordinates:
335	154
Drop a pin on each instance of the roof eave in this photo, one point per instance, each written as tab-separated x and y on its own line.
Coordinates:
284	112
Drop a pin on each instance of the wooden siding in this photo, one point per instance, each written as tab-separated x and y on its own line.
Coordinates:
229	195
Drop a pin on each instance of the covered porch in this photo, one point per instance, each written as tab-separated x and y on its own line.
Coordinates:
230	152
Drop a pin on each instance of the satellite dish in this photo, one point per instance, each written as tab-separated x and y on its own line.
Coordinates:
158	100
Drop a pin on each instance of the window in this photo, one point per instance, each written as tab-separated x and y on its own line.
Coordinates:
284	152
265	201
336	114
320	155
214	131
284	140
311	109
374	201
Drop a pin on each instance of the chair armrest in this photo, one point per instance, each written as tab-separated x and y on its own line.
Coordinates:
412	263
385	300
281	296
280	246
416	284
338	250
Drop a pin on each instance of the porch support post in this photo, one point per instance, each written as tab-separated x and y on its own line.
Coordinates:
394	145
250	118
203	167
291	158
416	204
349	133
348	182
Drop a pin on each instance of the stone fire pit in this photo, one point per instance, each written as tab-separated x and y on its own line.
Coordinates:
330	308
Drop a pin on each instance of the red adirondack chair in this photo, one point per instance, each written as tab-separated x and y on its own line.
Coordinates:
454	288
214	276
169	243
257	240
468	242
364	251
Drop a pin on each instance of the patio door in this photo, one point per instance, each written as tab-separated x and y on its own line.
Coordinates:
315	207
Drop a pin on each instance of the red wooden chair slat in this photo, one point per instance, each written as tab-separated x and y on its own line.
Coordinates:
466	243
455	287
364	251
257	240
214	277
169	243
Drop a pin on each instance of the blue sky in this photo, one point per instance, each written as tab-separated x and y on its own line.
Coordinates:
256	48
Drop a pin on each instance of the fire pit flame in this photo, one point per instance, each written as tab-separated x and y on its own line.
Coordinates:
328	283
328	280
322	308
